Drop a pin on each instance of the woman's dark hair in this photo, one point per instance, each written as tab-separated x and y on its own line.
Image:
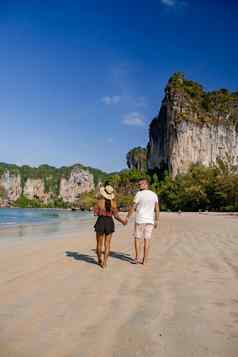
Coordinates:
108	205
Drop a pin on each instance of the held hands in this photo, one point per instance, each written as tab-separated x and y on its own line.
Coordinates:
156	224
125	221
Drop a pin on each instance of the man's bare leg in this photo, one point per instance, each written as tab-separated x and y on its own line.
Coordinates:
137	250
146	250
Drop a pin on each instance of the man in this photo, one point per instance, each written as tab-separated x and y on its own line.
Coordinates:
146	206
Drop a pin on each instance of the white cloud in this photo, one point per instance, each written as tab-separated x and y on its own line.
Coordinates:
108	100
133	118
168	2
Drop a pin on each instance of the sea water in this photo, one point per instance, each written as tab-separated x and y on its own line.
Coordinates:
32	222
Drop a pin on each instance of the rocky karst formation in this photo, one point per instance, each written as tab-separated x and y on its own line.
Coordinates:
193	126
137	159
78	182
10	185
35	188
45	183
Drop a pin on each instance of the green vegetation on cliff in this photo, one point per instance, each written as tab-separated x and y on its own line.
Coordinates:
137	159
12	168
210	107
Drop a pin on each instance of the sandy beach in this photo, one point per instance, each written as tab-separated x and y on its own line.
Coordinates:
57	302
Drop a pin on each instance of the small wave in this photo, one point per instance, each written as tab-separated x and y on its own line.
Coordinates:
7	223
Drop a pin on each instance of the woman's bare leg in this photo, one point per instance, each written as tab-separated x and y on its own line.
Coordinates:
107	243
99	248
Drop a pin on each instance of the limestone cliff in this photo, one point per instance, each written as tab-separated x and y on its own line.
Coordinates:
137	159
193	126
79	181
35	188
11	185
45	183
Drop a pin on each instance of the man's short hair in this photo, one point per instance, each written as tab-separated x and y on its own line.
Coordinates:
143	179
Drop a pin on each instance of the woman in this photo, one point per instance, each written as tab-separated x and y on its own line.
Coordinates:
105	209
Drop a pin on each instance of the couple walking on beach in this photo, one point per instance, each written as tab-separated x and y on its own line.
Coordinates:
146	208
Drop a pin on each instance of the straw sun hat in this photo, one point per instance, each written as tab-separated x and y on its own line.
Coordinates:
107	192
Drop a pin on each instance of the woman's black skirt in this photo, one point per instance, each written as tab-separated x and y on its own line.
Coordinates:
104	225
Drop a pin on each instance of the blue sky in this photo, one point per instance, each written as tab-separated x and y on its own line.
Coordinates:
81	80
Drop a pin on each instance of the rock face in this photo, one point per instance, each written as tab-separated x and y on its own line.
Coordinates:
11	184
65	183
193	127
35	188
79	181
137	159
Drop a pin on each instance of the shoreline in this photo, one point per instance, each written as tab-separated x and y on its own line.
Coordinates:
9	228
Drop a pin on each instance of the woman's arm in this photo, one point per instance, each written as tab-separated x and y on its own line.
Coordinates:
116	214
95	209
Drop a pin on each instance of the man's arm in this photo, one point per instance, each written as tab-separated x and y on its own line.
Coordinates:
131	210
157	212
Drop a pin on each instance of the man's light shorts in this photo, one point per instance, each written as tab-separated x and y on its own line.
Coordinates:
143	230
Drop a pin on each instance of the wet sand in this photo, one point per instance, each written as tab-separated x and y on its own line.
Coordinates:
57	302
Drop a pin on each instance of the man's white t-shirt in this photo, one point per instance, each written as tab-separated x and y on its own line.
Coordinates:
145	201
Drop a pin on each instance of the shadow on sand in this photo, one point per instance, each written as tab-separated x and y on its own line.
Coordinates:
90	259
120	255
83	257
